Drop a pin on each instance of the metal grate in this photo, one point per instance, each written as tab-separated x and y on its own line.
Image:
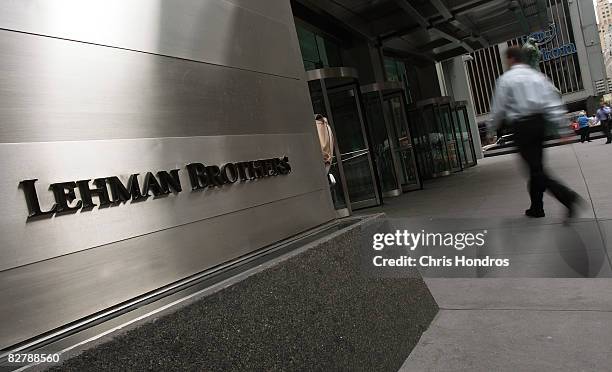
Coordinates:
483	70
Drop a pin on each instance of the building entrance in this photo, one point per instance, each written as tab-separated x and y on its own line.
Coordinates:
391	142
443	141
335	94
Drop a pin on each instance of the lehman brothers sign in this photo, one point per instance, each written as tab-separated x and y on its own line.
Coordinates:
159	184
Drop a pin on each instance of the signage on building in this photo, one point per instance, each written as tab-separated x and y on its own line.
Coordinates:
544	37
157	185
563	50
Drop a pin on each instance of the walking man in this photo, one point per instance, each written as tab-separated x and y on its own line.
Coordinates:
603	115
529	102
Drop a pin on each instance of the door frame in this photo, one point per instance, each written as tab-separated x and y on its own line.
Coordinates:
376	200
461	107
393	132
438	111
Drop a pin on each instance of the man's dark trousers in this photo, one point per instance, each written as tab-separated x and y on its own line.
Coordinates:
529	138
605	126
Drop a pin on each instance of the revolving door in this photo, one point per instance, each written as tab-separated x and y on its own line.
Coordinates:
335	94
442	138
464	134
390	136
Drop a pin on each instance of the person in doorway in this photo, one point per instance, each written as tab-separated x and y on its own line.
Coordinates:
603	115
583	127
326	140
529	102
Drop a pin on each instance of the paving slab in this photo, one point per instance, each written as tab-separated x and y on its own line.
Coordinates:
554	312
603	207
496	187
606	231
514	340
522	293
596	167
588	264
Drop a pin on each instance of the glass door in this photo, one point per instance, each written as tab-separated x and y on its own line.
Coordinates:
421	144
348	123
459	140
446	124
382	146
441	136
437	142
338	193
402	142
466	136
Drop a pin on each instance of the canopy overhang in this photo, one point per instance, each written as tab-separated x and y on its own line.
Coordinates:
435	29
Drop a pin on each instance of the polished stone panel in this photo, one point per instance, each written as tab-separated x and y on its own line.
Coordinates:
80	284
226	33
85	92
93	89
24	242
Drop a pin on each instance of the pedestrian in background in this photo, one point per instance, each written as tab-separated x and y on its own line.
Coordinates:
603	115
583	127
529	102
326	140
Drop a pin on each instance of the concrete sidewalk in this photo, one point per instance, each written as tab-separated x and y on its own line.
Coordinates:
528	322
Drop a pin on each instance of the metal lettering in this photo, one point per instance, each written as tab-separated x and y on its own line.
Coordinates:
160	184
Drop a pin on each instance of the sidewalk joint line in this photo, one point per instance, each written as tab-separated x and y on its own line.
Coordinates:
601	235
523	309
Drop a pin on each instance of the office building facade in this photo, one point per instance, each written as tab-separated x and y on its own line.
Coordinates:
571	58
145	144
603	8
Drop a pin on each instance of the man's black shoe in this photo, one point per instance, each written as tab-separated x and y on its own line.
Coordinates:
534	213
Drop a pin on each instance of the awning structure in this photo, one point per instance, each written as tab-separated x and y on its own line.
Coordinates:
435	29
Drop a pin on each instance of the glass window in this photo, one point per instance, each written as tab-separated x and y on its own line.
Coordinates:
396	71
391	70
332	51
309	48
317	51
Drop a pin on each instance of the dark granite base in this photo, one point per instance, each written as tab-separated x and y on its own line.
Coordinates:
314	311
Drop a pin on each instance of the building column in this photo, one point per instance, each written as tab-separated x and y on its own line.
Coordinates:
427	80
367	59
502	53
458	87
587	43
444	91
